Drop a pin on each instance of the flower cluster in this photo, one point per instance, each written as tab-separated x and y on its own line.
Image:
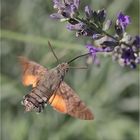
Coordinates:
65	9
124	48
128	55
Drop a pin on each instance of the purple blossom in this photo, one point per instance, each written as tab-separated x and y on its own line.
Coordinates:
123	20
81	29
66	8
78	26
101	15
76	3
96	36
123	47
88	12
57	4
137	42
126	55
56	16
93	50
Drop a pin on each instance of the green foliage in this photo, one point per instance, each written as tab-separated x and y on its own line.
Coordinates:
109	90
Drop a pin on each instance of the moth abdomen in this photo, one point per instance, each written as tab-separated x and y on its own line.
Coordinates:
37	99
31	103
32	100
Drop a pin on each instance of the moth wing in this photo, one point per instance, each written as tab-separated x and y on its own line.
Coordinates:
67	101
58	103
31	71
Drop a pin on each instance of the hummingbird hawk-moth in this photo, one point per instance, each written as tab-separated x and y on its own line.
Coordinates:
48	87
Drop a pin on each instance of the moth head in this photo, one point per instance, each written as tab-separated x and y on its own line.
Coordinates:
63	68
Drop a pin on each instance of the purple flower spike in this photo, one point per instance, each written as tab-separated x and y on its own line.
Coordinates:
57	4
77	3
67	8
124	20
78	26
73	10
101	15
128	54
93	50
137	42
56	16
96	36
88	11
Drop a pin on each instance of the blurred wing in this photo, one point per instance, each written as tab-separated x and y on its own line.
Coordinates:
31	71
66	101
58	103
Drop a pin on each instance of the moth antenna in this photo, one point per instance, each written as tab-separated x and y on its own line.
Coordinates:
50	46
78	57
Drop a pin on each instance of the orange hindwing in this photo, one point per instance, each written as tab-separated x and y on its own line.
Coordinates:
66	101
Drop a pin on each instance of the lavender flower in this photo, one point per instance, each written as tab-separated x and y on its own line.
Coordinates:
123	20
81	29
101	15
88	12
124	48
66	8
77	27
137	42
128	55
96	36
56	16
93	52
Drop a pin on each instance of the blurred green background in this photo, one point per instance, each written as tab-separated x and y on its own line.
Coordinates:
112	92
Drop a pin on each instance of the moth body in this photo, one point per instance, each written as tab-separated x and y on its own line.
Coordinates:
48	87
45	88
